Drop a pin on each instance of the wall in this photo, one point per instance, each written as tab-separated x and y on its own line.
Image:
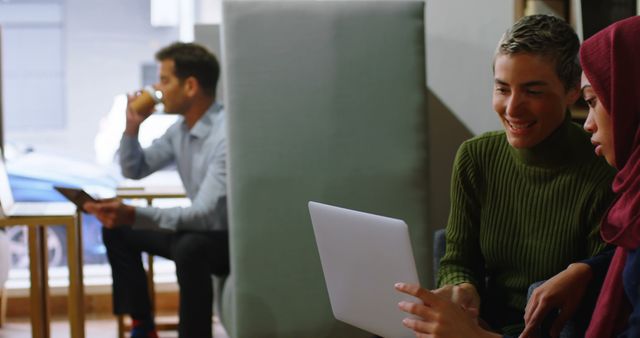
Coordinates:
461	38
105	51
104	44
31	30
106	41
209	36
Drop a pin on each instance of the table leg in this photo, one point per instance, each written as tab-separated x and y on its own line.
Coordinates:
76	287
39	281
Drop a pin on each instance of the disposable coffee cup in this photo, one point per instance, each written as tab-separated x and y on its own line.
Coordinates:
146	100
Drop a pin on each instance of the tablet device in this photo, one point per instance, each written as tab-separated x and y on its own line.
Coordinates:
363	256
77	196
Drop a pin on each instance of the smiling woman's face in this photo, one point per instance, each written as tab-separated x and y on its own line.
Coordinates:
529	97
598	123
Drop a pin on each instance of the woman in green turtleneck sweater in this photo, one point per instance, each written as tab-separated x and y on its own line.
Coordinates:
525	202
520	215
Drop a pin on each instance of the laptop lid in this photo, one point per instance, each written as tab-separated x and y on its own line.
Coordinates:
6	196
363	256
9	207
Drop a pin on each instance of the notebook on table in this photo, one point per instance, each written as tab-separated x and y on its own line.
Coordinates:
363	255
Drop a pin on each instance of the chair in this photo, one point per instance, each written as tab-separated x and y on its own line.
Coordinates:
439	248
124	326
326	101
148	195
5	265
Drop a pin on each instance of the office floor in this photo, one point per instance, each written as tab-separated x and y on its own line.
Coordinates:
95	328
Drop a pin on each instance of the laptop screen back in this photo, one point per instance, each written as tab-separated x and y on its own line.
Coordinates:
6	197
363	256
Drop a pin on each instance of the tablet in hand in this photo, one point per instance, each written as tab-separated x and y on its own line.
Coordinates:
78	196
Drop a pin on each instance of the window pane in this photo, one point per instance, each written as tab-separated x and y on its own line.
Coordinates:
32	77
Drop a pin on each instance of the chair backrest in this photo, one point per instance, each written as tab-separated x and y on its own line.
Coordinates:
326	101
5	259
439	248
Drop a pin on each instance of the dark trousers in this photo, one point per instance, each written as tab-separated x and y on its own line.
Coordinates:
197	255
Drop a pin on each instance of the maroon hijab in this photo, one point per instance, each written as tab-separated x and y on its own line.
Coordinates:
611	61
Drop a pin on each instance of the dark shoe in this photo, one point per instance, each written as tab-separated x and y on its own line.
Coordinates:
143	329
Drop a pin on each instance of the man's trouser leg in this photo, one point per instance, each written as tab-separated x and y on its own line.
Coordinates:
197	255
124	248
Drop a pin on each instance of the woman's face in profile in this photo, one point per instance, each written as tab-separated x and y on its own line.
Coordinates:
598	123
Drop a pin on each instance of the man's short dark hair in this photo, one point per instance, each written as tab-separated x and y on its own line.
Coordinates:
547	36
193	60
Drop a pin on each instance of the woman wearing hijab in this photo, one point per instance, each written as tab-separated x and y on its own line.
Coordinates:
611	86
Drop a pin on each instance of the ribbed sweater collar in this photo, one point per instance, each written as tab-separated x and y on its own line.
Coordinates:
557	150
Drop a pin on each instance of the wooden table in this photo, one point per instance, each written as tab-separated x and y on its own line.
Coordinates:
38	266
149	193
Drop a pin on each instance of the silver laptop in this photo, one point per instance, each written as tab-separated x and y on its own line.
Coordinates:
10	208
363	256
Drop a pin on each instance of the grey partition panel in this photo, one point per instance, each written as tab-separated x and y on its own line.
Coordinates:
326	102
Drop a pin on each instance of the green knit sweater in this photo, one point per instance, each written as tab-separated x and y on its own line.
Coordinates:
522	215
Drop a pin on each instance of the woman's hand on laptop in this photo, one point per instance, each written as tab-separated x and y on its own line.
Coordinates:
438	317
111	212
464	294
